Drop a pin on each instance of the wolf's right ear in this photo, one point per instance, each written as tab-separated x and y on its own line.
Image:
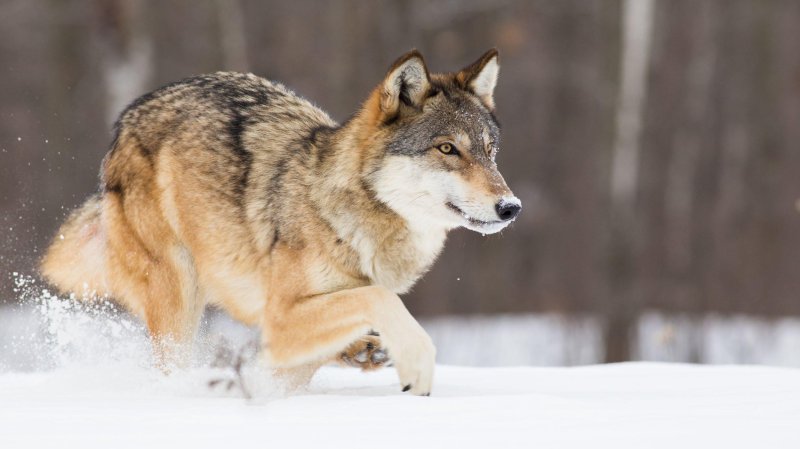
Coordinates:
480	77
407	82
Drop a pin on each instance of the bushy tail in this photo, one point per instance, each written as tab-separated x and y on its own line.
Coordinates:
75	260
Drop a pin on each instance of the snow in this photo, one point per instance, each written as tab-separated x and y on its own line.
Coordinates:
80	375
622	406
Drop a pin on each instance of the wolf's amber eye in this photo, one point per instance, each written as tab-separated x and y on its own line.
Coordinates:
447	148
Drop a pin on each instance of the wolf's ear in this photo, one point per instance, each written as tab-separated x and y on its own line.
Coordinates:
480	77
407	82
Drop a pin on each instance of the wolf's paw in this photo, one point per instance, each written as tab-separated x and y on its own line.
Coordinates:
415	358
366	353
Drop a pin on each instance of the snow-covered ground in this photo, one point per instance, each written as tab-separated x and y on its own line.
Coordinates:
75	375
639	405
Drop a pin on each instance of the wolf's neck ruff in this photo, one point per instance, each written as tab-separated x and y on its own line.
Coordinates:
228	189
392	250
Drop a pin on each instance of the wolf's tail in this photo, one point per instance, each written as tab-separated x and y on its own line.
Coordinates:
75	260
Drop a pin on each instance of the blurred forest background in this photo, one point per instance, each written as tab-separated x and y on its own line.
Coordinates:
654	144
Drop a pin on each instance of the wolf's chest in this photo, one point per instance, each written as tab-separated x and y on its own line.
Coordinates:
398	260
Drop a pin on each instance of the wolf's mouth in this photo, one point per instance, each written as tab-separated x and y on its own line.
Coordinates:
471	220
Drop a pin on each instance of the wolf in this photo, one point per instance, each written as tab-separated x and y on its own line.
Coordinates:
229	190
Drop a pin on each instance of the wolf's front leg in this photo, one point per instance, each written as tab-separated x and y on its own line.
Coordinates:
302	331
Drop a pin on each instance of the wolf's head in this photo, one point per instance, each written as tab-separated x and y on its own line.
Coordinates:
439	139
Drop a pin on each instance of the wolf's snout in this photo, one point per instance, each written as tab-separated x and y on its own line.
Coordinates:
508	209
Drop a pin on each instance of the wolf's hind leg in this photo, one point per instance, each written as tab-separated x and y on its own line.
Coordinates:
156	282
174	307
298	376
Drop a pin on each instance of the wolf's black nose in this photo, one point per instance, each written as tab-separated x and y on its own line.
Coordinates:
507	210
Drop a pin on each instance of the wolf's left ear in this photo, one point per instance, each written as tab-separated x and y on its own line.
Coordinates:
480	77
407	82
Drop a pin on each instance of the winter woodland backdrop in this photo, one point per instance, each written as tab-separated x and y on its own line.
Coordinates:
654	145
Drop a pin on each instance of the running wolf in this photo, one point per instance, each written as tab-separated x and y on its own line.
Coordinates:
230	190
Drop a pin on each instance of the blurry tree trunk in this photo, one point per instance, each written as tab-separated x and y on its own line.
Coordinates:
689	230
64	74
689	143
344	50
623	309
233	38
128	52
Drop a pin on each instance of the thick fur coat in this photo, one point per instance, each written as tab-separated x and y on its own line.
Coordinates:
230	190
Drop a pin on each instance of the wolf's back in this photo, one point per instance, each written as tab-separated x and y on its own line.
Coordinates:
213	146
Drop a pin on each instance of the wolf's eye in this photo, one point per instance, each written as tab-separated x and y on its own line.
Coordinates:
447	148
